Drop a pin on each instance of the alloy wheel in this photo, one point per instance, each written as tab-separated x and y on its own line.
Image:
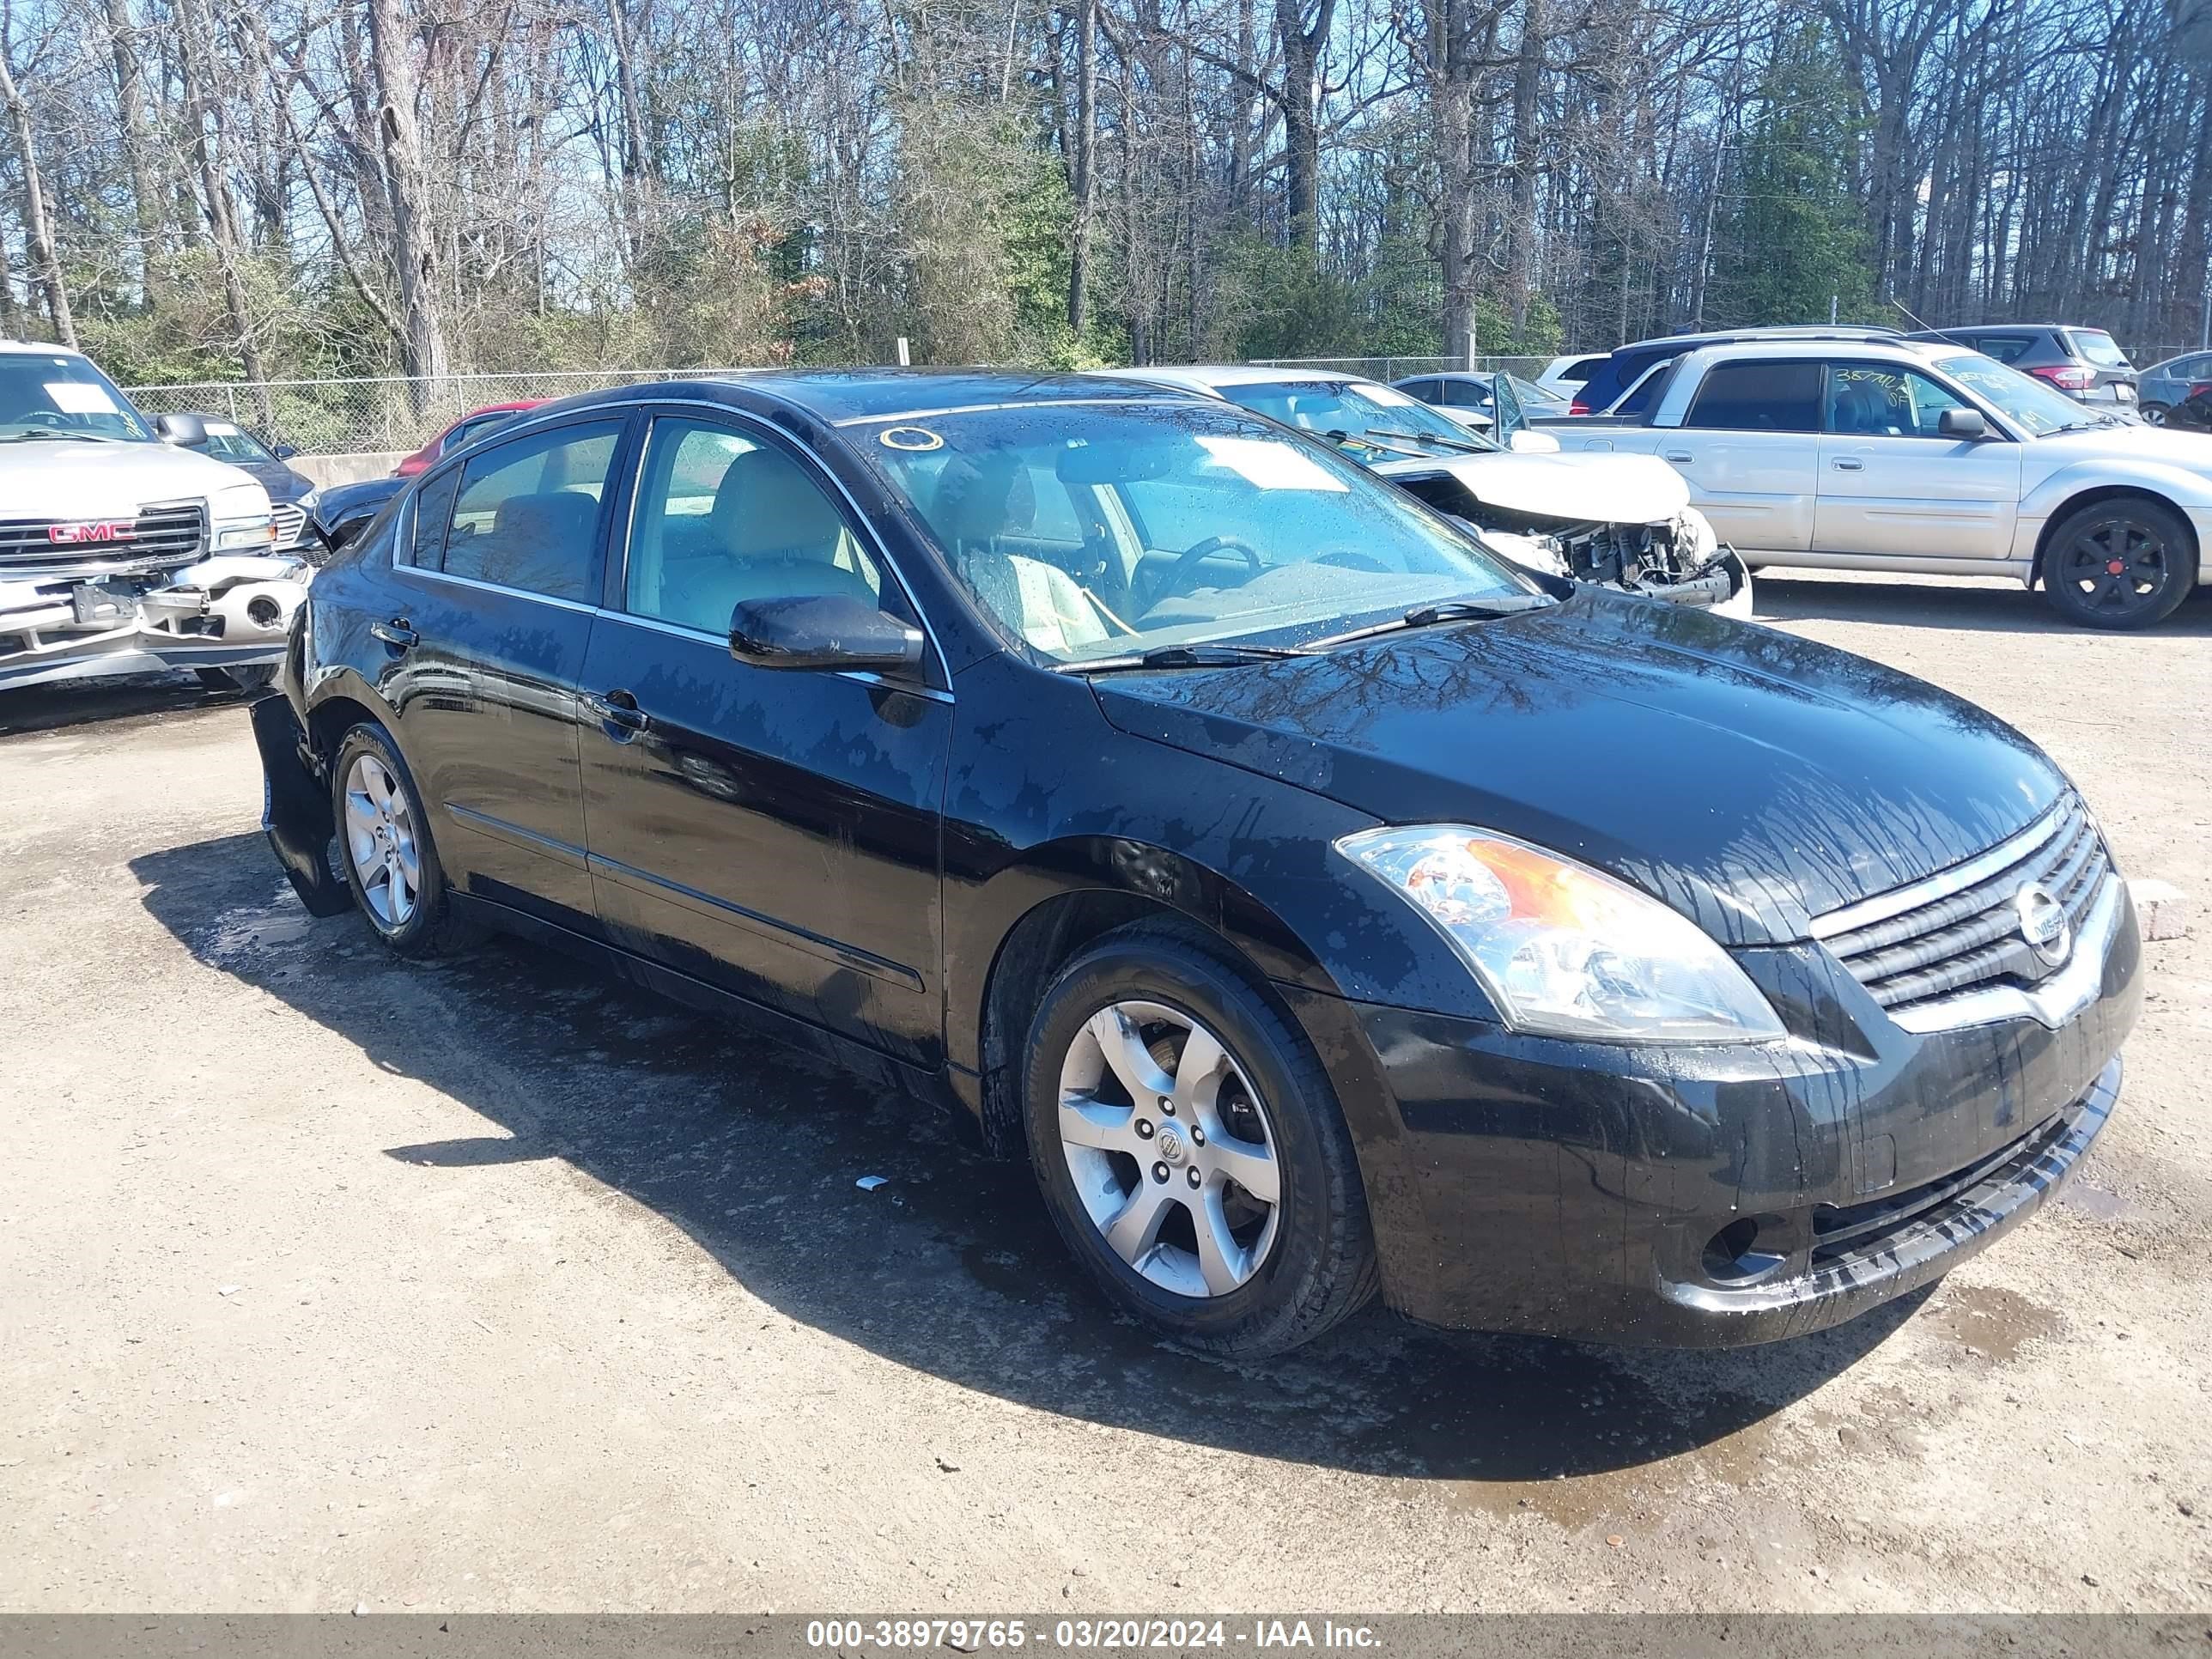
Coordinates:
381	841
2117	565
1169	1148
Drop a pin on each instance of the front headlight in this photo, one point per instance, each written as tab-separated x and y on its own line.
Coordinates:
1694	538
238	519
1563	949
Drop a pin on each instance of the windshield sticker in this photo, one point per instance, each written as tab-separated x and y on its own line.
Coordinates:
914	439
81	397
1271	465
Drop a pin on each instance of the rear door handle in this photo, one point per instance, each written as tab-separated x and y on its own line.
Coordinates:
1678	454
618	707
1849	464
398	634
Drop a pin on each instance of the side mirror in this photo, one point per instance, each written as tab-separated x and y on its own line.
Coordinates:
833	631
186	431
285	451
1966	423
1529	441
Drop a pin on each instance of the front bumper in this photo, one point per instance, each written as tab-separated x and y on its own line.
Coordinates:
227	611
1710	1197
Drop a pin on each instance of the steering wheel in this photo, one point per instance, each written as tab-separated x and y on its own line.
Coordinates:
1351	558
1187	565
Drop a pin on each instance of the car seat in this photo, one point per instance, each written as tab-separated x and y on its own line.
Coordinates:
976	504
770	534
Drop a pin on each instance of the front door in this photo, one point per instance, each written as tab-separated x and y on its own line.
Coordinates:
772	831
1892	484
502	578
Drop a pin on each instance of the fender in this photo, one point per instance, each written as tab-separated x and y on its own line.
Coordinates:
2188	492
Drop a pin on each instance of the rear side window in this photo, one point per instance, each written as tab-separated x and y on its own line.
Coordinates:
1759	397
2093	345
1575	373
2005	348
1466	394
527	513
1424	390
1645	392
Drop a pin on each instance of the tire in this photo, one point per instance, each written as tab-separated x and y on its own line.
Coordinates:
1279	1273
371	788
2154	414
2149	541
253	677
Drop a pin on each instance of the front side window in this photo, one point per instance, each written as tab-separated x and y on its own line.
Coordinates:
526	514
1209	526
722	517
61	397
1759	397
1874	400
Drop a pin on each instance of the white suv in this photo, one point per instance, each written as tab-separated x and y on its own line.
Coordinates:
119	553
1894	455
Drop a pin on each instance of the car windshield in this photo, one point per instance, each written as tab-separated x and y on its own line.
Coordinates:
1376	421
2034	407
1108	531
57	397
229	443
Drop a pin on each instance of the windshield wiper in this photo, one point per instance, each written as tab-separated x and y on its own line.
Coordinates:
1183	656
57	437
1464	446
1428	616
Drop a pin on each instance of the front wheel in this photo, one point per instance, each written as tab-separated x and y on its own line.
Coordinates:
1191	1151
2123	563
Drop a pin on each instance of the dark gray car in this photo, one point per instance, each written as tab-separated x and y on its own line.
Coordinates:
2087	364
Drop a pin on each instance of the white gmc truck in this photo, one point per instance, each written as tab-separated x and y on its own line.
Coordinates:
1924	457
119	553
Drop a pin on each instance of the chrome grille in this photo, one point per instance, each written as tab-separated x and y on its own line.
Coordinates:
1960	930
162	535
290	521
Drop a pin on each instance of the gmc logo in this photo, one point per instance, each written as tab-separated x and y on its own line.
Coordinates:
120	530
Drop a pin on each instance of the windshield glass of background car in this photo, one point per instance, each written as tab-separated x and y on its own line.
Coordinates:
1347	407
1098	530
2028	401
227	443
58	394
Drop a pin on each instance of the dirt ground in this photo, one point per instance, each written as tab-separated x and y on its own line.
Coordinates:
328	1281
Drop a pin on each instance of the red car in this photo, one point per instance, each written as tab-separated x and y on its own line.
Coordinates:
469	426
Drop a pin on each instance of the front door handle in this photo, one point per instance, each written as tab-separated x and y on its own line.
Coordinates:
1678	455
1850	464
398	634
618	707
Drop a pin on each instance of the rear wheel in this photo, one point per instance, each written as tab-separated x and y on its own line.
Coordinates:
2122	563
2154	413
1191	1151
390	865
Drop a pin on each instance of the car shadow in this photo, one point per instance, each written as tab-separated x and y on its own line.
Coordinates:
951	1266
1976	607
100	701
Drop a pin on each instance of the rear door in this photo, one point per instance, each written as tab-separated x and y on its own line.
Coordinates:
772	832
1892	485
502	575
1749	445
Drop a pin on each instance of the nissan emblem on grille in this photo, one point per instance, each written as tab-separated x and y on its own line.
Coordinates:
2043	923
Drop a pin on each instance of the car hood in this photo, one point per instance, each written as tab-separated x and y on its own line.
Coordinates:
279	480
1581	487
1750	778
71	480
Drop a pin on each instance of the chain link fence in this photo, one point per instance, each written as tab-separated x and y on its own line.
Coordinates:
395	413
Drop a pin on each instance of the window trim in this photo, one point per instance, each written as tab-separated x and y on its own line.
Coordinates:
614	591
624	421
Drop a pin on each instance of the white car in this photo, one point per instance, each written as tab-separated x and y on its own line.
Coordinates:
1624	521
119	553
1874	454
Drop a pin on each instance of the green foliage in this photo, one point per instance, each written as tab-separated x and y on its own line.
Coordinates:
1792	235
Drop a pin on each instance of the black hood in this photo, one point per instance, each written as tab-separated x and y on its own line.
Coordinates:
279	480
1751	779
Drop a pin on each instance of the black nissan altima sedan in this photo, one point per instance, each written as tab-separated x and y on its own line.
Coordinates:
1320	903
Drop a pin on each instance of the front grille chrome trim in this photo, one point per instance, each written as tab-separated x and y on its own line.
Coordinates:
2053	1002
1944	883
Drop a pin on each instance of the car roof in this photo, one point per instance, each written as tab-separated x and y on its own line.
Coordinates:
1207	378
842	396
1898	348
39	349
